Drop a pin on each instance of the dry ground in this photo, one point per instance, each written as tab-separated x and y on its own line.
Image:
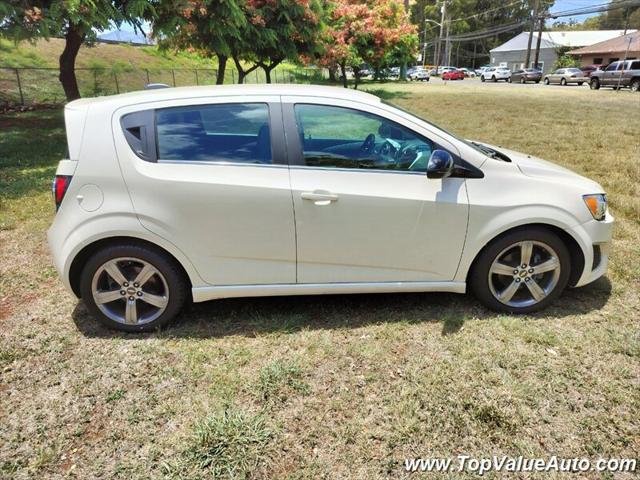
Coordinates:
334	386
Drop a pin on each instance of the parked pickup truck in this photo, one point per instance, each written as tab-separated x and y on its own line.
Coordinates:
624	73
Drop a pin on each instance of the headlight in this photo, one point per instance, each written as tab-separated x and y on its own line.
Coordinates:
597	205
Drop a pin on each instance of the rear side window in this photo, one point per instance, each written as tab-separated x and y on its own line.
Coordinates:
635	65
237	133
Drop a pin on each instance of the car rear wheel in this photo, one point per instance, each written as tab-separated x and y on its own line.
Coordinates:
132	288
509	80
635	85
594	84
522	271
546	81
482	78
494	79
563	82
523	81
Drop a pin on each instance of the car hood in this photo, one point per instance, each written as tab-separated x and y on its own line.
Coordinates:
537	167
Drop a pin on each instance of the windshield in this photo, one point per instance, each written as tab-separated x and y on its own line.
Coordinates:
476	146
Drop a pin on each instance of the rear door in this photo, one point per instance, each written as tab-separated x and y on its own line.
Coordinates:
611	74
365	210
210	176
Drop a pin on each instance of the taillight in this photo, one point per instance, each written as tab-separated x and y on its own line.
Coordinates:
59	188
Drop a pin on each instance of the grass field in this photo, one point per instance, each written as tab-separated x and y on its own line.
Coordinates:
333	386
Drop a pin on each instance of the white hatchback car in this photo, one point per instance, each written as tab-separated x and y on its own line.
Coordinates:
234	191
495	73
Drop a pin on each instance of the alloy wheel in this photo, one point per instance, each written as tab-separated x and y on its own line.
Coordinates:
130	291
524	274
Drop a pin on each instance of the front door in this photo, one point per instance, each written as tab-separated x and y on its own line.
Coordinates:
364	208
216	185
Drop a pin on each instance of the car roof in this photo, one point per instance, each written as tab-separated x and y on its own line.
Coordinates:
176	93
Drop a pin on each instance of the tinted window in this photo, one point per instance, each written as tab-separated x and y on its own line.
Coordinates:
612	67
559	72
337	137
223	133
635	65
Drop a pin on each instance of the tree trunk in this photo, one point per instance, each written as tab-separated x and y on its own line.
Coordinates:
73	41
356	77
242	73
343	71
222	66
332	75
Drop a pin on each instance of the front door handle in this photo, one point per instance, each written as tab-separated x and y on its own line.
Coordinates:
319	197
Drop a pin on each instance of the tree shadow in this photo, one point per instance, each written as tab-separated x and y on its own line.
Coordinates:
251	317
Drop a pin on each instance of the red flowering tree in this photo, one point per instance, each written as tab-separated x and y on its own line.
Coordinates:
208	27
375	32
279	30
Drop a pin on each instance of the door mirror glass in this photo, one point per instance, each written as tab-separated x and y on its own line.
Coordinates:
440	164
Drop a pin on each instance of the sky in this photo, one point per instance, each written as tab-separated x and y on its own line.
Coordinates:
562	5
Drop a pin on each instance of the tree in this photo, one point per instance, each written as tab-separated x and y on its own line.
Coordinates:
282	29
209	27
370	31
76	21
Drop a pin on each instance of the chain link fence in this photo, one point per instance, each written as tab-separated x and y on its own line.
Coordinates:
31	86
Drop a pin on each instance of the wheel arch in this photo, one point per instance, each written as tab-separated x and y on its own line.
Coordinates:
577	256
79	260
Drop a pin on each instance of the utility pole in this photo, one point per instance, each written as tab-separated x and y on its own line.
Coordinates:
539	40
447	44
533	27
443	11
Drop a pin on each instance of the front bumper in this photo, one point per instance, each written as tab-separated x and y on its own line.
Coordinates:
594	238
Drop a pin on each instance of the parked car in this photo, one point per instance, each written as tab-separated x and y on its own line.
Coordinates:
589	69
495	73
443	69
481	69
467	72
526	75
621	73
453	75
564	76
237	191
420	76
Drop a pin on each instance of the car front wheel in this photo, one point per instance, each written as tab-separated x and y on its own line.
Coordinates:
522	271
635	85
546	81
494	79
482	79
132	288
594	84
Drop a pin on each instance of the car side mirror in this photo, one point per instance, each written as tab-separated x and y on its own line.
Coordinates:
440	164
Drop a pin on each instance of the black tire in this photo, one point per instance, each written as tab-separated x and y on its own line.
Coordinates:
580	84
494	79
594	84
509	80
173	274
523	81
635	85
482	79
563	82
546	81
537	81
479	275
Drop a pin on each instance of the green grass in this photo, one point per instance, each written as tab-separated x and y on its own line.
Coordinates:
328	386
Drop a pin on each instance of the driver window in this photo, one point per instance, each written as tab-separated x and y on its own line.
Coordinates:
338	137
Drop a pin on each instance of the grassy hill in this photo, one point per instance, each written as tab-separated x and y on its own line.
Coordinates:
105	69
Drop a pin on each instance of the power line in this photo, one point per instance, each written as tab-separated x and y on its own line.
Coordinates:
602	7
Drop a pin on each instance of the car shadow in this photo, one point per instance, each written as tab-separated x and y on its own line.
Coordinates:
252	317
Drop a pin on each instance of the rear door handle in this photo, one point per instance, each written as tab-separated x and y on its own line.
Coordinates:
319	197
